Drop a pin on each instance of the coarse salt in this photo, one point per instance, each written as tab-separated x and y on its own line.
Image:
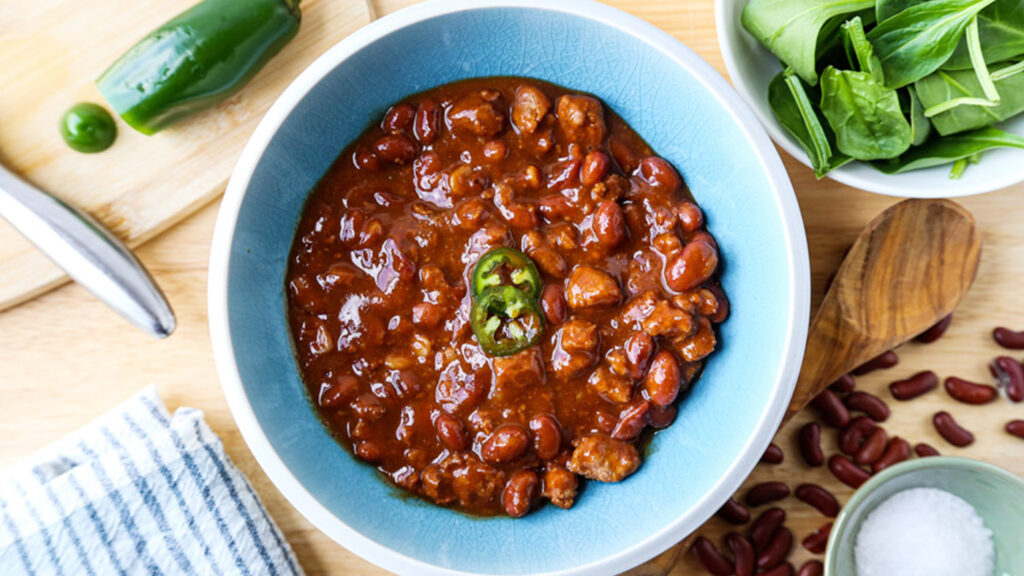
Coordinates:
924	532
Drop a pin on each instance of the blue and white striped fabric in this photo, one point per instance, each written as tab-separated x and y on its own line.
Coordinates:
137	491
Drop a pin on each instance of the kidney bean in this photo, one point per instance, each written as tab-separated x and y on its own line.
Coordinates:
722	312
495	151
692	266
925	450
832	409
366	160
844	385
662	381
734	513
810	444
451	432
935	332
609	226
822	500
552	303
662	417
659	174
395	148
897	451
968	392
765	492
547	436
369	451
711	558
817	541
869	404
811	568
521	493
784	569
765	527
1008	338
1010	375
776	551
631	421
914	386
743	554
398	118
690	216
595	166
339	392
1016	428
847	472
882	361
639	349
427	122
851	437
773	455
951	431
872	448
505	444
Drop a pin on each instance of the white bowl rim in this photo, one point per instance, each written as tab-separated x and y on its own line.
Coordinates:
877	182
220	331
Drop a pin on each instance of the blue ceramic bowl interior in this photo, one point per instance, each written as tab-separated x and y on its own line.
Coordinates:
684	122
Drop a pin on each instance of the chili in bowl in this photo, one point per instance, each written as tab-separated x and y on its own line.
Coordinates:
496	293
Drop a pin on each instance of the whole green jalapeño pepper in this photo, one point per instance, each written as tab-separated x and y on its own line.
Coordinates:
506	267
199	58
505	320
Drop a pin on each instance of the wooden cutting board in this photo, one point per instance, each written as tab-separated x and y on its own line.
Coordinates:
50	54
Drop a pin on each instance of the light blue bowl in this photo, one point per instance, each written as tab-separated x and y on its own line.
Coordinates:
687	112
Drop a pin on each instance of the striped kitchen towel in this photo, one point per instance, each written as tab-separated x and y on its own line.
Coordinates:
138	491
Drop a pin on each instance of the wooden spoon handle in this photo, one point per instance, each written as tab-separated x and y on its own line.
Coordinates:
907	270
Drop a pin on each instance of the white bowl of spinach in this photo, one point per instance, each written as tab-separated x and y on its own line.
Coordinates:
920	98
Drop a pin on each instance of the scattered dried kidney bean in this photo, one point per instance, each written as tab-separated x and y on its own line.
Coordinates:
897	451
1008	338
822	500
810	444
844	385
743	554
969	392
872	448
816	541
777	549
1010	375
869	404
914	386
847	472
765	527
734	513
711	558
880	362
785	569
1016	427
765	492
773	455
951	431
811	568
832	409
935	332
851	438
925	450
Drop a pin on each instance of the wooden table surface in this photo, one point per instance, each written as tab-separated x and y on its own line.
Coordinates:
65	358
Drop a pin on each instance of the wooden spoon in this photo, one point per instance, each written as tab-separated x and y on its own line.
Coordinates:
907	270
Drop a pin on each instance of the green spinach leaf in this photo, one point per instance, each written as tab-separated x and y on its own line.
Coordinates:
917	41
791	28
920	125
865	115
949	149
945	86
1001	27
885	9
792	107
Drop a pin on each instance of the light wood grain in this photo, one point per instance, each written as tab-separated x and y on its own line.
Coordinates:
64	358
50	54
